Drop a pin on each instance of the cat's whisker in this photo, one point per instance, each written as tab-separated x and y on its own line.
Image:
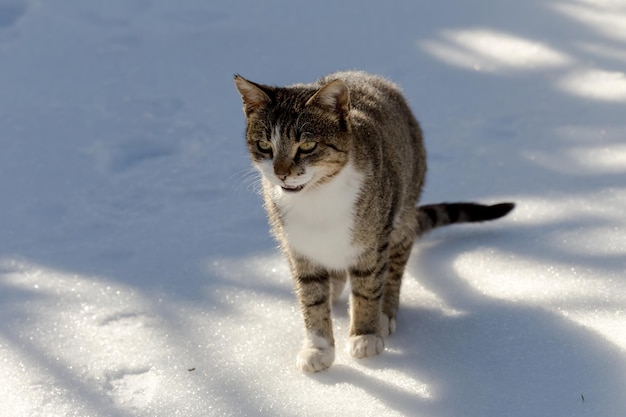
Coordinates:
248	178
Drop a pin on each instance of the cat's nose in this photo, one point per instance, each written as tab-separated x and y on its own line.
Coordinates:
282	170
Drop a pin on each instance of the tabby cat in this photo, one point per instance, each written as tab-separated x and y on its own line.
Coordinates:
343	165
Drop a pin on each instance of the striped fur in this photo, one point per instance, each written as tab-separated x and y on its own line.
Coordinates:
443	214
343	165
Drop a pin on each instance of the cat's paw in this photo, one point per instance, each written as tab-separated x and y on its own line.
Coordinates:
316	354
387	325
365	345
311	359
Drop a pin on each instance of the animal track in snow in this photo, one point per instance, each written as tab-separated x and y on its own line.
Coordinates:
134	388
131	319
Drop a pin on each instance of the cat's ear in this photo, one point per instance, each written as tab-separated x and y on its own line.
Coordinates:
252	95
333	96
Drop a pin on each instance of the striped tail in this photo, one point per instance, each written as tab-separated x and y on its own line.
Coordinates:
443	214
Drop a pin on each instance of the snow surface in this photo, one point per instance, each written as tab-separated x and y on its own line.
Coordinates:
137	275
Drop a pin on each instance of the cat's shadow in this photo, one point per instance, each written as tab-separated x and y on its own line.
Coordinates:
495	357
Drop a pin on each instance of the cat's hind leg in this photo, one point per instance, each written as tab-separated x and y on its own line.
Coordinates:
367	285
337	284
400	245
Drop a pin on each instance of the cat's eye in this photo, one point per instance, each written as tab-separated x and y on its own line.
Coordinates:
264	146
308	146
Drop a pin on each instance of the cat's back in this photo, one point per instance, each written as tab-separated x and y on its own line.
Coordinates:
373	96
363	83
384	127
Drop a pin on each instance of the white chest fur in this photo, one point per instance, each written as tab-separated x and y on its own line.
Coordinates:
318	223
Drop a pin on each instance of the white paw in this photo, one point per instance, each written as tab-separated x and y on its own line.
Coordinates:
365	345
314	359
316	354
387	325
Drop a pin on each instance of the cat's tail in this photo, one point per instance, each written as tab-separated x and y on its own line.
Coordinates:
443	214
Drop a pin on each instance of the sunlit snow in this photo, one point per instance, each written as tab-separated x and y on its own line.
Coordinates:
137	274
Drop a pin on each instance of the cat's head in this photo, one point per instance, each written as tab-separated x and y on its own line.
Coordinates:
298	136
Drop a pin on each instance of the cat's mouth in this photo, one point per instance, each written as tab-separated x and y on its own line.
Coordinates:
292	189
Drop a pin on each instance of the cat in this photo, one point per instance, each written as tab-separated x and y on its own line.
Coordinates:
342	165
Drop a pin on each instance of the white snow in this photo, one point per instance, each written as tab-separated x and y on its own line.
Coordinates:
137	274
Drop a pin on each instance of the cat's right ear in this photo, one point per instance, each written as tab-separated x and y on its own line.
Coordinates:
252	95
333	96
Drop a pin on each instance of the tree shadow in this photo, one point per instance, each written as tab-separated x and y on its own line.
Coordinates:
494	358
135	220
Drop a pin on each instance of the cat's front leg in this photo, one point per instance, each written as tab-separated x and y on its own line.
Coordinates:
316	354
313	292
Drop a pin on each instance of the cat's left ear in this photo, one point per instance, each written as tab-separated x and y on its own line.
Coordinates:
334	96
252	95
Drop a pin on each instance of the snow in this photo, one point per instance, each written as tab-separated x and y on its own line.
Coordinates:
137	274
